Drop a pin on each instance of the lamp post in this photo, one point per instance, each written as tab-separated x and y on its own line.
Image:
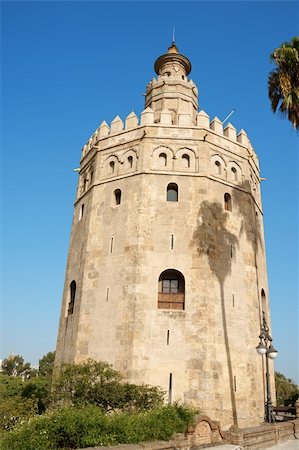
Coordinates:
265	348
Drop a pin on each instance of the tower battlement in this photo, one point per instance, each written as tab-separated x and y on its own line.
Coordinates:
147	118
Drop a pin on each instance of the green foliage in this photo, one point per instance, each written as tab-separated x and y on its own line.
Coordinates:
99	384
14	365
13	407
283	82
71	428
10	386
38	388
21	399
287	391
46	364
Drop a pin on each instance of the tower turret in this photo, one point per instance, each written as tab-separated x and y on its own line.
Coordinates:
172	90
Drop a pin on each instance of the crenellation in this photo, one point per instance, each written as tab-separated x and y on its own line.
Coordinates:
89	145
122	132
147	116
242	138
103	129
230	132
94	139
203	119
131	121
217	125
116	125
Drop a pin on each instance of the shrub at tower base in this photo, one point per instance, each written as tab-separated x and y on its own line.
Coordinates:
72	427
97	383
91	406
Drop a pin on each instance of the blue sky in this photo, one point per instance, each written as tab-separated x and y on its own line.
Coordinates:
66	66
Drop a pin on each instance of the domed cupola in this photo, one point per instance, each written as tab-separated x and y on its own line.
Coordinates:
172	90
172	62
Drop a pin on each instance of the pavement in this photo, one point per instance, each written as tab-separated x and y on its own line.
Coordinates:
225	447
287	445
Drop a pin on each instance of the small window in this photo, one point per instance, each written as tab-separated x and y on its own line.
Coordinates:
170	389
218	167
264	304
186	160
130	161
84	184
81	213
227	202
171	290
117	196
172	242
111	245
91	176
112	166
72	298
172	192
163	160
234	173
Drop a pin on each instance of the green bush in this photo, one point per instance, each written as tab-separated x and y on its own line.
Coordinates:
38	388
13	406
88	426
15	409
97	383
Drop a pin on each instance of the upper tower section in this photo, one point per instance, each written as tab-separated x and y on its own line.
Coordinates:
172	90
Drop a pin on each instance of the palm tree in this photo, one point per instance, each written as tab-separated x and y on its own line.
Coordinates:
283	82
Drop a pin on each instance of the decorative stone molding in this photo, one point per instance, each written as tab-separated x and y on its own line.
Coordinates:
205	432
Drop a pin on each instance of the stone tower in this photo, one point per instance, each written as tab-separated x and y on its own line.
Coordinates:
166	275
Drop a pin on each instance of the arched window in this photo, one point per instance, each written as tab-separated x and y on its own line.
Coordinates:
234	173
163	160
117	196
72	298
218	167
112	166
171	290
227	202
186	160
130	161
172	192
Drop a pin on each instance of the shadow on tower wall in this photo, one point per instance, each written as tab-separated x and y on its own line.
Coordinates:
214	240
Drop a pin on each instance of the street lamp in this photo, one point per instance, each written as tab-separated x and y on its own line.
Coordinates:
265	348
